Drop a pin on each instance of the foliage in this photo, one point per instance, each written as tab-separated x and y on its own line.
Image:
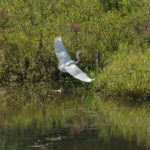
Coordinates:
28	29
127	74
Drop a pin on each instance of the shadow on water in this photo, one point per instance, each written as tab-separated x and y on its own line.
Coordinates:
39	117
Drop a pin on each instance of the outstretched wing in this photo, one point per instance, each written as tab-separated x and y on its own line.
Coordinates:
60	51
77	73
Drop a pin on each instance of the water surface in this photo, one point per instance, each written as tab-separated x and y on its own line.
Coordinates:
39	118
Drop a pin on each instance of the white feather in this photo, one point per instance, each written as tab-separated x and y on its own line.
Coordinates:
66	64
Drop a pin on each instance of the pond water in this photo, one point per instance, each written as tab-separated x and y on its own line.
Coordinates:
39	118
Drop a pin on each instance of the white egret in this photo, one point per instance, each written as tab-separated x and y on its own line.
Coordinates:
66	64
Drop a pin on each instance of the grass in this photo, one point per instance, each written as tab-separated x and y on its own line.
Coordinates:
127	74
117	29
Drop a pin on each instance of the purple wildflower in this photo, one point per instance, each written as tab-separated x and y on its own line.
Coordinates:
2	13
74	27
148	28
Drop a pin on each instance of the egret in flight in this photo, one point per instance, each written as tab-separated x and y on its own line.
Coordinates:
66	64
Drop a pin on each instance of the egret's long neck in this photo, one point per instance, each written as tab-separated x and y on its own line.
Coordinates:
78	57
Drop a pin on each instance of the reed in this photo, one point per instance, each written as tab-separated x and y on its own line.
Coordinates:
28	29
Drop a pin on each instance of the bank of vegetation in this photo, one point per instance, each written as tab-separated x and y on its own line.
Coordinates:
119	29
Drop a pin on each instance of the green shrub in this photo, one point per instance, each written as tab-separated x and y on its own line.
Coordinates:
128	73
28	29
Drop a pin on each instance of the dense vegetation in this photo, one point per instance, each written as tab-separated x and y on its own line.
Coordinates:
119	29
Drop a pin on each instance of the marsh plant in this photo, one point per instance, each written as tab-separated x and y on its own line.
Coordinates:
28	29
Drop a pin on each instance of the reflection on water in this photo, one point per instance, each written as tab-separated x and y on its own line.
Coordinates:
39	118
